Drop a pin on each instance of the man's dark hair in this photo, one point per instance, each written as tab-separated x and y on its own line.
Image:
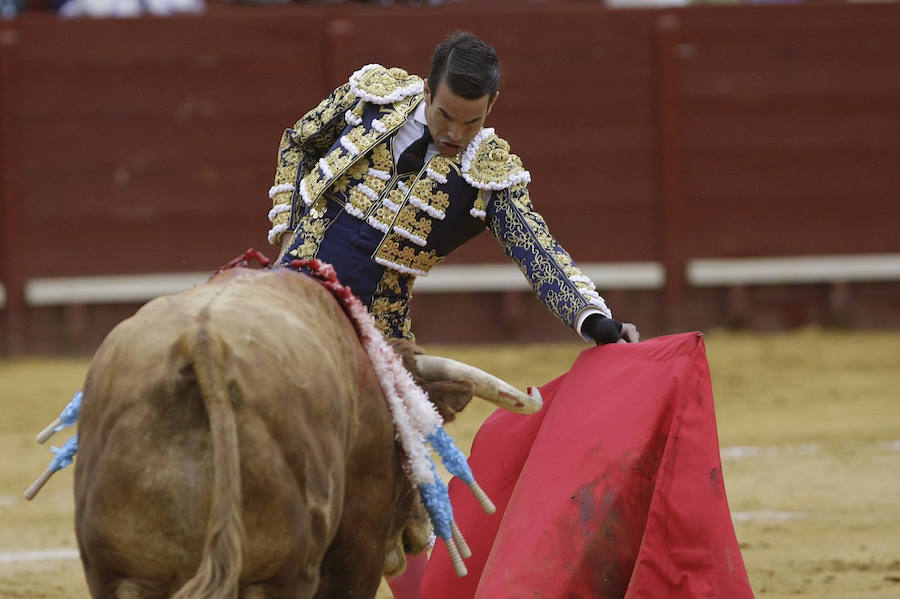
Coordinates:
467	65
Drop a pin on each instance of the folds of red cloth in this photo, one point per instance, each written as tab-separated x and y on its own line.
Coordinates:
614	489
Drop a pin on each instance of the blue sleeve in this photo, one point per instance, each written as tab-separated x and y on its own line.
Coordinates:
554	277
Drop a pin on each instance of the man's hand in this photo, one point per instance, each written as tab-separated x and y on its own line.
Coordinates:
630	333
605	330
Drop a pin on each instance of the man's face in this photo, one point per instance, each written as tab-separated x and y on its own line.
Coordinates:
453	120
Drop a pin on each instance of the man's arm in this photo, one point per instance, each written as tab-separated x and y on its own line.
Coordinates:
555	278
300	147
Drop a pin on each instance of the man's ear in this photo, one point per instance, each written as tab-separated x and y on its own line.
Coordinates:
427	93
491	105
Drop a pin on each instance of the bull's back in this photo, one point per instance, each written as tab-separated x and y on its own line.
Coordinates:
293	369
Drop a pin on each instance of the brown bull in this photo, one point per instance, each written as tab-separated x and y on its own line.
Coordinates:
234	441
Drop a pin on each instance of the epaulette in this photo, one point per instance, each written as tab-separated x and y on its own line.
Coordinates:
379	85
488	164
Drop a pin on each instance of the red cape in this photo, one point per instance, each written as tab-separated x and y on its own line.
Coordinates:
613	490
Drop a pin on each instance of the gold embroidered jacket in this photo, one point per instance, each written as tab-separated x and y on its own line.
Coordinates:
338	194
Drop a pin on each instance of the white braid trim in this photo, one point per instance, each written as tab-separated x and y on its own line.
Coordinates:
349	146
368	191
390	205
582	279
471	149
326	170
398	94
414	416
430	210
378	174
279	209
304	192
408	235
478	213
354	211
600	304
275	231
523	177
276	189
377	224
403	187
400	268
436	176
378	126
351	118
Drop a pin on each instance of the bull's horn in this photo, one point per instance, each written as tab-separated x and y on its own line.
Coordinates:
487	386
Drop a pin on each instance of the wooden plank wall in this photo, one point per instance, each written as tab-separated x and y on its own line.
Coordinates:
791	119
147	145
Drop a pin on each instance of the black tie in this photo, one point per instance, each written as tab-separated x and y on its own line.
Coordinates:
413	157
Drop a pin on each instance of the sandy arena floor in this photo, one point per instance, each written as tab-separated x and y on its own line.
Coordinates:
809	425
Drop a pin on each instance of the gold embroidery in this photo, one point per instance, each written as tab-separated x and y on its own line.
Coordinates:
301	146
441	164
359	169
361	137
384	215
375	183
337	161
406	256
390	308
498	155
340	185
388	315
524	235
334	105
360	201
339	158
357	110
494	165
382	82
364	138
309	138
381	158
312	231
354	173
425	190
316	132
396	196
390	281
407	219
480	203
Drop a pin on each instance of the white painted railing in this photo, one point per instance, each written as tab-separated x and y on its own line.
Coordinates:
57	291
700	272
791	270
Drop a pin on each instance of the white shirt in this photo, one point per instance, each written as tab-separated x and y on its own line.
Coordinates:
412	130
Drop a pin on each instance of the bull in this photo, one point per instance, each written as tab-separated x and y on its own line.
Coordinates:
234	442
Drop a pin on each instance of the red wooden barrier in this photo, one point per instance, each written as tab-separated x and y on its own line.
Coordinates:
148	145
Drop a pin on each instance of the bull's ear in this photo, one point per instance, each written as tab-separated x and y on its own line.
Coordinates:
406	350
449	396
417	532
394	560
